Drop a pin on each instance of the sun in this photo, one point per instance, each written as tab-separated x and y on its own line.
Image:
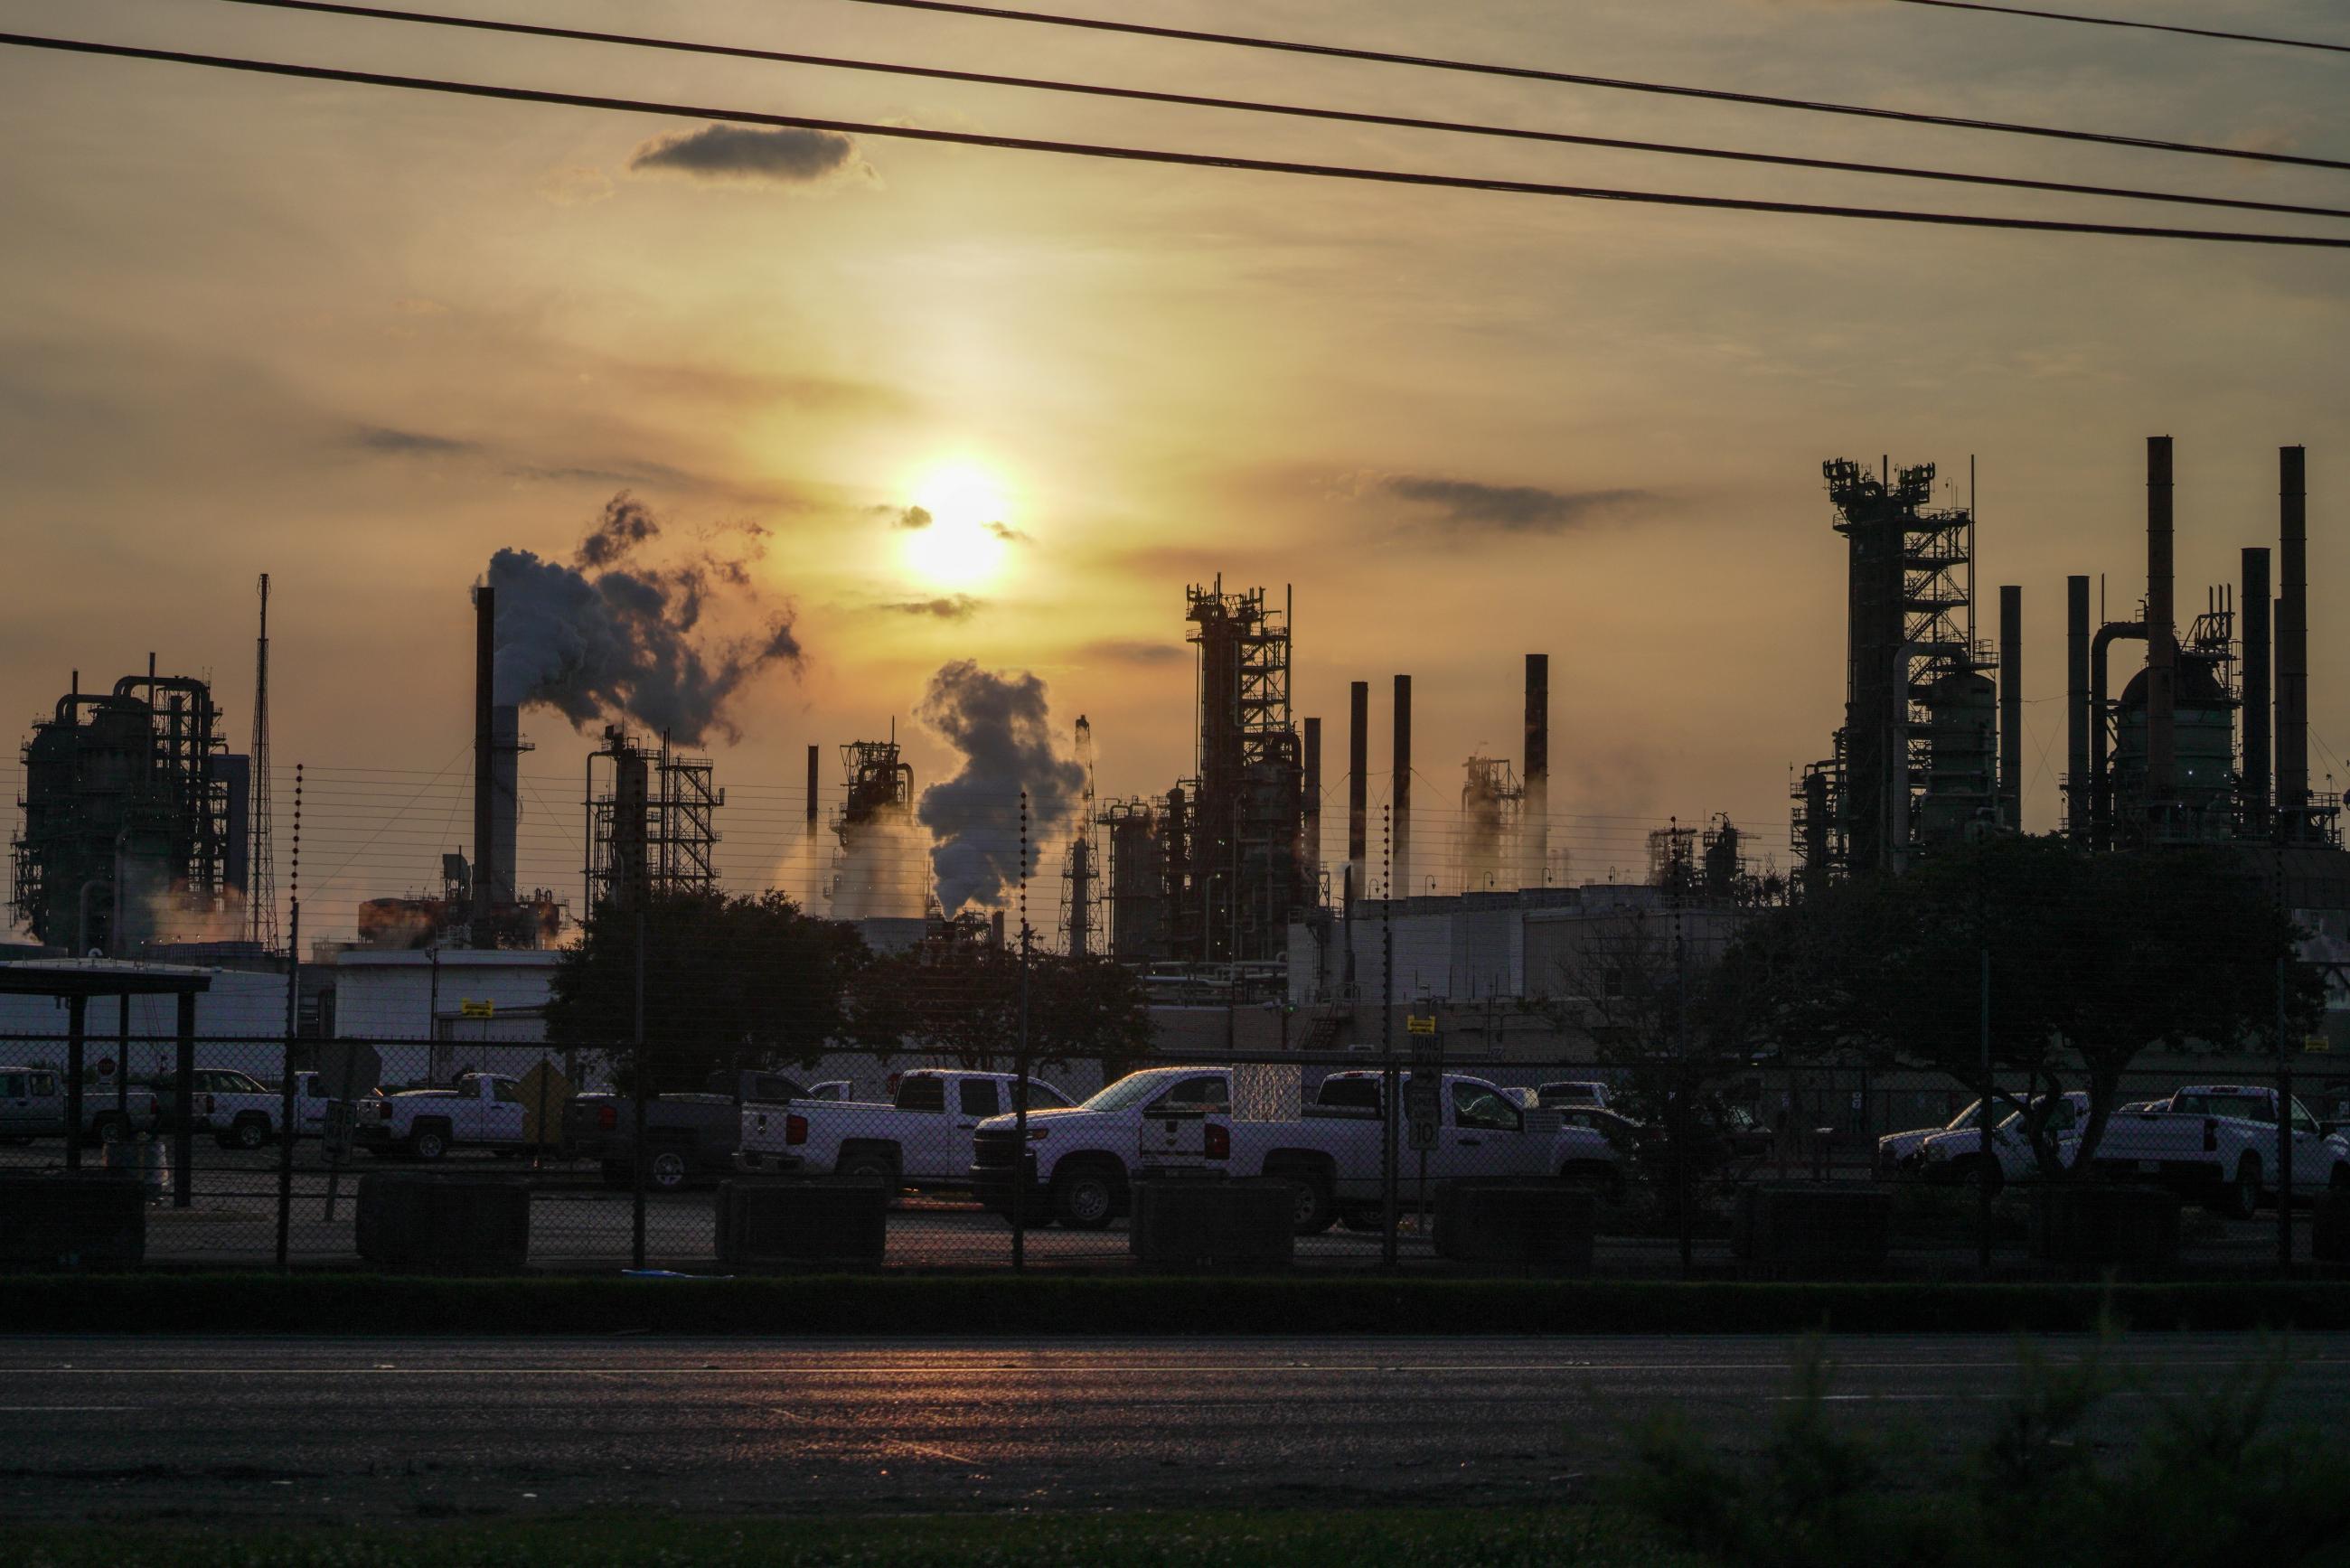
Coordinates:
962	546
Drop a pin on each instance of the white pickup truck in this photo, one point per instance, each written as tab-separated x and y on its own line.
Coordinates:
2217	1143
242	1112
921	1138
482	1110
1951	1154
32	1104
1080	1163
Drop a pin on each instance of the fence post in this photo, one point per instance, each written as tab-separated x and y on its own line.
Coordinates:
288	1131
1388	1088
1020	1069
637	1094
2285	1127
1987	1153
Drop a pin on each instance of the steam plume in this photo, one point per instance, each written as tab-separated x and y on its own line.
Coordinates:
1001	725
608	635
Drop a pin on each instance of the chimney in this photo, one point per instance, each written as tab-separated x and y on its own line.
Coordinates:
2076	709
1400	792
506	800
815	792
2257	668
1358	760
1534	817
1310	827
2161	643
485	661
2292	644
2011	707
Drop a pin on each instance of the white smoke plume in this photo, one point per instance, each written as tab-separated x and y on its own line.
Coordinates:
1001	726
608	635
883	870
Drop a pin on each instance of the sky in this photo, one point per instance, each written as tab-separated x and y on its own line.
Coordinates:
361	340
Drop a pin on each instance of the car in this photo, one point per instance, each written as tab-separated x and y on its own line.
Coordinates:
920	1137
1898	1153
1951	1155
481	1110
2218	1143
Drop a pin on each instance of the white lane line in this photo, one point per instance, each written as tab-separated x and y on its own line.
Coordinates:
1109	1368
53	1409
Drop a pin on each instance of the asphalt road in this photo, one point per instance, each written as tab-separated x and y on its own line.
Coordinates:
327	1430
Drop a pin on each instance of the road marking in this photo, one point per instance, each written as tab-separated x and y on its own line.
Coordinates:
53	1409
1111	1368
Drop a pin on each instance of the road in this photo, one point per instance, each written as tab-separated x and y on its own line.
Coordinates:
329	1429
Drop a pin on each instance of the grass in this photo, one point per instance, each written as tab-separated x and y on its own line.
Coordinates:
1586	1537
868	1304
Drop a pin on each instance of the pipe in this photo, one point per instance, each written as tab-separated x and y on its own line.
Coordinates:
1310	816
2292	643
1358	762
2076	708
2257	691
2011	707
1400	792
2101	778
2161	642
485	654
1536	812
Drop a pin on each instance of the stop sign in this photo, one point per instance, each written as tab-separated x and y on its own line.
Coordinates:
106	1067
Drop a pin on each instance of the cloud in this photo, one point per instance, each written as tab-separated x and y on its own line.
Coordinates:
410	444
578	186
1006	532
1469	505
906	516
1122	650
953	606
783	155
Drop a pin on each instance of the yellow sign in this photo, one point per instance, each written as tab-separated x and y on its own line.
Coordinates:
2316	1043
1419	1025
469	1009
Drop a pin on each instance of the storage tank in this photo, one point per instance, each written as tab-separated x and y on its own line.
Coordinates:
1961	735
2203	730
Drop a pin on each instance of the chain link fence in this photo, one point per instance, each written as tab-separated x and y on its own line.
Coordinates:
986	1166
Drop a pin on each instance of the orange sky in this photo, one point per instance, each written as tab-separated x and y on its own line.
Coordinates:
360	340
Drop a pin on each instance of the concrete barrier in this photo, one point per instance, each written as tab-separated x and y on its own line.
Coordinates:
1813	1230
1194	1223
1530	1226
768	1224
92	1220
2091	1228
443	1224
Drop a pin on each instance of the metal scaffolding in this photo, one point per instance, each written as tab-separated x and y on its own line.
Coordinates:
653	821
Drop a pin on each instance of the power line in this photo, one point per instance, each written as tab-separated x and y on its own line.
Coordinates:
2135	26
1180	160
1613	84
1254	106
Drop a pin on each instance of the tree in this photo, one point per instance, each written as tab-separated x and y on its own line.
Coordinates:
729	983
959	999
2093	961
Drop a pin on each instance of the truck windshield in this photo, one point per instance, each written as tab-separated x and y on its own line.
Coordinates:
1137	1087
1965	1118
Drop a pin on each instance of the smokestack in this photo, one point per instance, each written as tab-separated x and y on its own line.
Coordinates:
1535	816
631	801
506	801
1359	762
2257	742
815	790
2161	644
2076	708
1311	826
485	661
2011	706
1400	792
2293	642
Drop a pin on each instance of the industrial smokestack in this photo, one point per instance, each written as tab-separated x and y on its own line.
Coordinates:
1310	825
2292	643
2011	706
506	801
2161	644
1400	792
814	789
1535	818
1358	762
485	662
2255	758
2076	708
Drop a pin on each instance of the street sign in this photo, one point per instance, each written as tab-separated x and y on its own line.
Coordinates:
1423	1134
471	1008
1417	1025
2317	1043
1421	1101
349	1068
106	1067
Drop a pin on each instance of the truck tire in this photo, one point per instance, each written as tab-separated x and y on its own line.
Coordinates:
248	1132
1315	1211
429	1142
668	1171
1087	1198
872	1165
1364	1219
2240	1198
107	1127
